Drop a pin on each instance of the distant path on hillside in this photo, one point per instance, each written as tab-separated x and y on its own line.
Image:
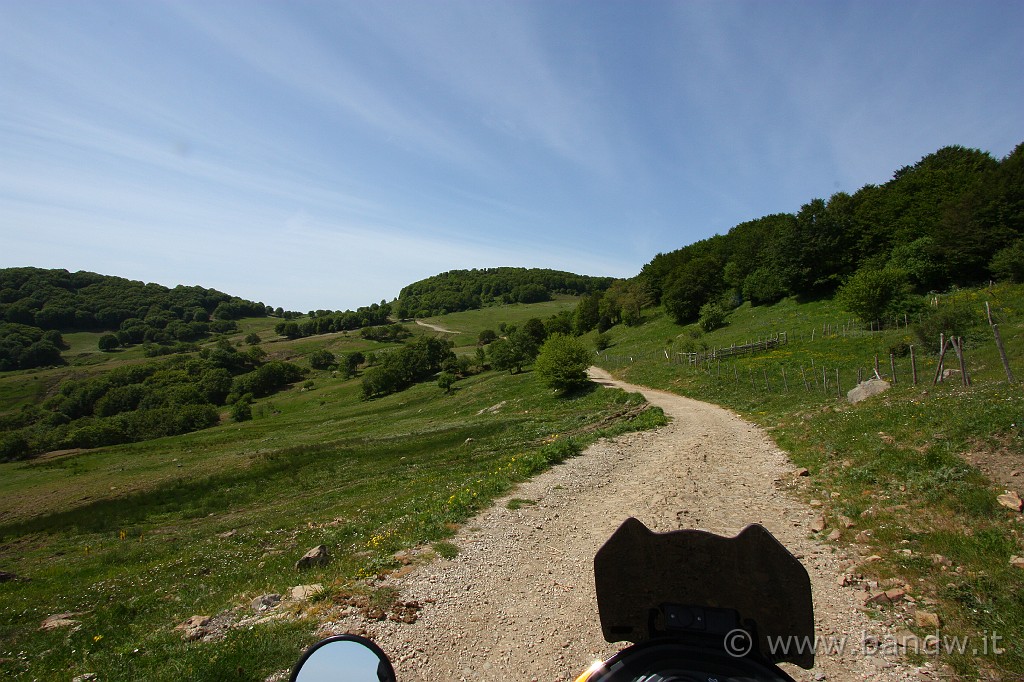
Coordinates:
436	328
517	602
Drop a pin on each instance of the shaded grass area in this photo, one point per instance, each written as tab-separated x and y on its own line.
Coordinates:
135	539
894	464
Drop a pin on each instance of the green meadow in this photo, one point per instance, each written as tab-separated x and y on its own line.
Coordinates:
134	539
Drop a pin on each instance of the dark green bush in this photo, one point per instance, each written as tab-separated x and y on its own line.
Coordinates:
950	317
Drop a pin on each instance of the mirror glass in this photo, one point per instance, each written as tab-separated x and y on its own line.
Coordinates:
343	660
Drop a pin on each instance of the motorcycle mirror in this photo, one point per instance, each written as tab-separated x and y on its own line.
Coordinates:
343	658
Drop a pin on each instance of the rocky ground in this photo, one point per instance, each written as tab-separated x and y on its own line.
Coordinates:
517	602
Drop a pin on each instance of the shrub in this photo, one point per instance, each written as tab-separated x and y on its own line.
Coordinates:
871	293
120	399
513	352
321	359
900	349
560	450
108	342
712	316
97	433
242	409
764	285
380	381
267	379
952	318
445	380
13	446
562	363
1008	264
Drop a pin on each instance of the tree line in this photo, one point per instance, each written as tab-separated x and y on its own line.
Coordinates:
328	322
37	305
956	217
458	290
140	402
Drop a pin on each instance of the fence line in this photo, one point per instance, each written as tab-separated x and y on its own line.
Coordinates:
833	380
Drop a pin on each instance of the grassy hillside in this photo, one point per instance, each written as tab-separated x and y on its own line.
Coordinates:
916	471
134	539
469	323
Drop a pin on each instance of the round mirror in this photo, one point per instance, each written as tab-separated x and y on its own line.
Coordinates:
345	658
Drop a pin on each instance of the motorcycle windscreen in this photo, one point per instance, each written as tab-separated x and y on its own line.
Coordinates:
637	572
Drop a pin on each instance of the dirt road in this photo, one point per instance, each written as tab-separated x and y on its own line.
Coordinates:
517	603
435	327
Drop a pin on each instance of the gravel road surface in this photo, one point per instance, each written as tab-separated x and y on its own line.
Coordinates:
517	602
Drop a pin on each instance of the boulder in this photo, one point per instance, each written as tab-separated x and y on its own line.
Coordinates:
875	598
60	620
194	628
317	556
866	389
305	592
1011	500
896	594
265	602
927	619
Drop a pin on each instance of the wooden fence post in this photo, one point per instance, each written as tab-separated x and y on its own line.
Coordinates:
804	377
999	345
958	347
913	365
942	357
839	390
785	384
892	367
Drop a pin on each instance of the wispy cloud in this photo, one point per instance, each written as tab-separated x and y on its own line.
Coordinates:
514	74
338	150
314	64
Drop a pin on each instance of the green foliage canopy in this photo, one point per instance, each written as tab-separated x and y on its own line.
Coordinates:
941	221
459	290
872	292
562	363
400	368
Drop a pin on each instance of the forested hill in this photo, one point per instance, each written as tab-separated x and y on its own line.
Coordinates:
956	217
36	305
457	290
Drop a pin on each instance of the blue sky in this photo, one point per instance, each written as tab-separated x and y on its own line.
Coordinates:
324	154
